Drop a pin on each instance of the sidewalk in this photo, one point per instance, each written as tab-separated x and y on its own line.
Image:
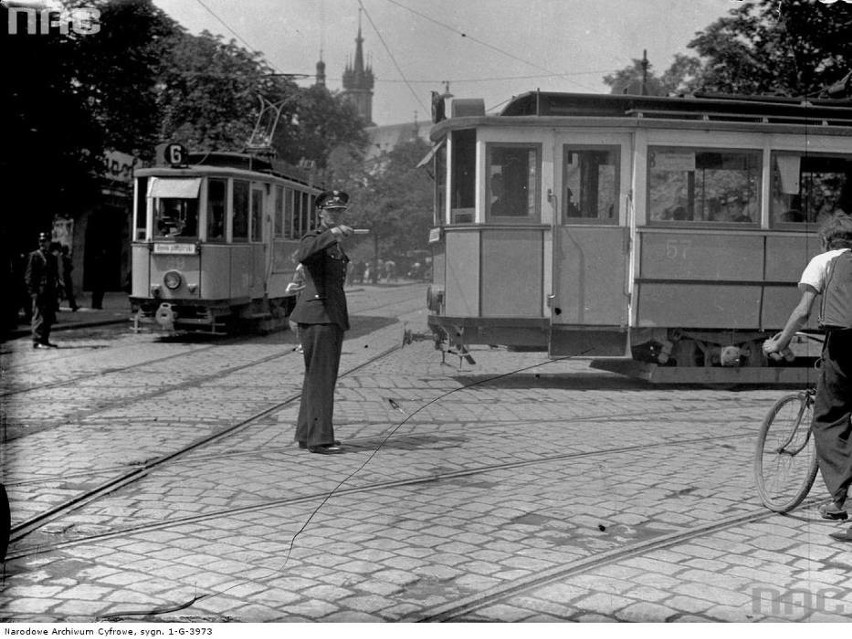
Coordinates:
116	309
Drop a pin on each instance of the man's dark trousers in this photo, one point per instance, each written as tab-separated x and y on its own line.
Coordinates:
832	408
44	315
322	345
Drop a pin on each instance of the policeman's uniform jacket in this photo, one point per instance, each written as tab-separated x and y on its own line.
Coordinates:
322	301
41	274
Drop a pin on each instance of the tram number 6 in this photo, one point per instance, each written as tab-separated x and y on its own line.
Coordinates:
176	154
676	249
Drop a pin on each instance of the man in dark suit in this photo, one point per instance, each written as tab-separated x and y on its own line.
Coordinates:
322	317
41	279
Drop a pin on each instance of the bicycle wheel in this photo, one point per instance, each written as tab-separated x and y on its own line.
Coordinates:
785	463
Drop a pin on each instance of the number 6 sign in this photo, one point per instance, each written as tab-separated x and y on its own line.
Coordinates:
176	154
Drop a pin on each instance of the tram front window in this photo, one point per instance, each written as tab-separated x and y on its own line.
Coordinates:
512	182
703	185
808	188
176	218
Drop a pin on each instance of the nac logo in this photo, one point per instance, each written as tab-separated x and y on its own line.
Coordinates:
50	17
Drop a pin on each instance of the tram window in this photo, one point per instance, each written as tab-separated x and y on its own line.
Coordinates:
512	181
256	215
808	188
241	211
176	217
279	211
590	184
703	185
305	216
141	208
463	177
216	194
289	229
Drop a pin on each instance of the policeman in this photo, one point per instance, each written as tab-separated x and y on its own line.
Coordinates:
322	317
41	278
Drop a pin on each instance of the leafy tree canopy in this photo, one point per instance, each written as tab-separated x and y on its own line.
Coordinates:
390	196
794	48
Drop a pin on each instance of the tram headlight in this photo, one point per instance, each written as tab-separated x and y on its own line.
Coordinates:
172	280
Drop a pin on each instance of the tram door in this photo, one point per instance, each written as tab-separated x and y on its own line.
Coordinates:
589	307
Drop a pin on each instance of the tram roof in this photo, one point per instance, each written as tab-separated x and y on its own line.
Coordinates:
765	109
238	164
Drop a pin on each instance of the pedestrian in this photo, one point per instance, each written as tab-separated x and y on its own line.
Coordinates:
41	279
825	275
66	265
322	317
98	278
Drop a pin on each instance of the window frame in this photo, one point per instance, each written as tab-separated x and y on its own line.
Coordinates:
565	220
757	187
805	224
531	217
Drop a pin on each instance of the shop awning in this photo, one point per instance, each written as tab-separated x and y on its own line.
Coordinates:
174	187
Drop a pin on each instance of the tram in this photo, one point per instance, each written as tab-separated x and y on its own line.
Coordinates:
663	236
215	235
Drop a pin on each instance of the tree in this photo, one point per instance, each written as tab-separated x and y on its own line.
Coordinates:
66	97
794	48
392	197
208	92
320	122
635	81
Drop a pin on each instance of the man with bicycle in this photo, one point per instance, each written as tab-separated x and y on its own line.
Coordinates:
833	401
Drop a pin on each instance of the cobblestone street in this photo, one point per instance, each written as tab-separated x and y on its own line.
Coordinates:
466	493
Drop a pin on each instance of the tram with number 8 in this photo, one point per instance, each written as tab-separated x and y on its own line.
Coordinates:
663	235
215	235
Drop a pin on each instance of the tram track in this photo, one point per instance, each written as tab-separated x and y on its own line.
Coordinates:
22	530
230	341
358	441
464	607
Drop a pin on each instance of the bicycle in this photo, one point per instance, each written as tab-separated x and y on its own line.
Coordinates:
785	462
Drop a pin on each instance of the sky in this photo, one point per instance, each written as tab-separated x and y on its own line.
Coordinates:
490	49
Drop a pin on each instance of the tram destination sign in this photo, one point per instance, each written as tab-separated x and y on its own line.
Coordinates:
169	248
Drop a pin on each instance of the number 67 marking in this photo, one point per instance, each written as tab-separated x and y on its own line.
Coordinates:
677	249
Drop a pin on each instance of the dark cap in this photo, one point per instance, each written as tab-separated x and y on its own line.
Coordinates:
44	237
332	200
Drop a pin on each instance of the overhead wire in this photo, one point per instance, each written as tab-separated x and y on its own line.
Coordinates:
476	40
393	59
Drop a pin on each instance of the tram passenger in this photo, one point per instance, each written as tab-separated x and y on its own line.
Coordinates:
499	207
41	278
322	317
833	402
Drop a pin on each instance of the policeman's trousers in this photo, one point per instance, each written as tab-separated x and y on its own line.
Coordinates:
322	345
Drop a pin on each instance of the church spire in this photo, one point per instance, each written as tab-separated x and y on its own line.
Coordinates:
358	80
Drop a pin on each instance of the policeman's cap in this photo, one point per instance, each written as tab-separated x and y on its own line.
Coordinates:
333	200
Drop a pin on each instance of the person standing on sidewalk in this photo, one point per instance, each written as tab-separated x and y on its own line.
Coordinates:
322	316
833	402
41	280
66	266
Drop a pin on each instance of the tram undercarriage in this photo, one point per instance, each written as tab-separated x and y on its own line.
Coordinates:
658	355
210	318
